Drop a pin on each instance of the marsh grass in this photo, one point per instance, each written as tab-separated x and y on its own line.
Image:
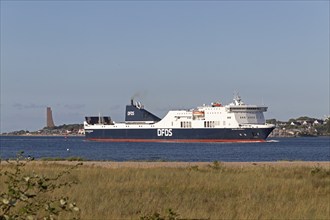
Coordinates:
209	192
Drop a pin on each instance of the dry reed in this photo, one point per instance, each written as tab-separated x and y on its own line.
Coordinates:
208	192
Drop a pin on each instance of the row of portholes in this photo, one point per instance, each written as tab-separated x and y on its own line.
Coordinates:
254	134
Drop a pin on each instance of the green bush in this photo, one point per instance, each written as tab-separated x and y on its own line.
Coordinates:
31	195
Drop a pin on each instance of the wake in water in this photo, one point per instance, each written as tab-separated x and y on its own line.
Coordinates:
272	141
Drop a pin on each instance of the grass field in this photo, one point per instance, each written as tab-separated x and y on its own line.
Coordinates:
214	191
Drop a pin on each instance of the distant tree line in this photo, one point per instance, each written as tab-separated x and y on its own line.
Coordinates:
69	127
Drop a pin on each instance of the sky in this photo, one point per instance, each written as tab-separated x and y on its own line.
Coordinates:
88	57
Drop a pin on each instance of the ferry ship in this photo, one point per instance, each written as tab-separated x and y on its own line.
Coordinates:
235	122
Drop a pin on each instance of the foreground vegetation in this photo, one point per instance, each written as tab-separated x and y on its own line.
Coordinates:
26	194
211	192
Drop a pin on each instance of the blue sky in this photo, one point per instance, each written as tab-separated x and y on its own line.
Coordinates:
86	57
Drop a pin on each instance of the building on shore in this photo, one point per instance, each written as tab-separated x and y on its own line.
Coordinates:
49	115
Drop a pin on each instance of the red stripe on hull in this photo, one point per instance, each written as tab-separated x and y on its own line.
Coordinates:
177	140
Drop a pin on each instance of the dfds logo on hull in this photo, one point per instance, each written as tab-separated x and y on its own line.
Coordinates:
164	132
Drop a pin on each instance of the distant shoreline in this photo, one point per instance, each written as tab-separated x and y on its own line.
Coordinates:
142	164
42	135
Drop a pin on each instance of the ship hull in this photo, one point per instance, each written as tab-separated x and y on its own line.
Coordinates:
179	135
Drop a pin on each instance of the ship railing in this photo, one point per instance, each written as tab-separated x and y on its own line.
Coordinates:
252	125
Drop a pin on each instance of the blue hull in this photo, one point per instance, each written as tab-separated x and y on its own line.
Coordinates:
179	135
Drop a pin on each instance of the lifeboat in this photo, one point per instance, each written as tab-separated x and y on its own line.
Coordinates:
216	104
198	113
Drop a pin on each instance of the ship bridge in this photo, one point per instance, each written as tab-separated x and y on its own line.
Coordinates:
246	108
239	106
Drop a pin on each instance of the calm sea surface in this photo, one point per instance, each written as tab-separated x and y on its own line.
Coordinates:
305	149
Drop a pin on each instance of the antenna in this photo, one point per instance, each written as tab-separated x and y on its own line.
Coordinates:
236	95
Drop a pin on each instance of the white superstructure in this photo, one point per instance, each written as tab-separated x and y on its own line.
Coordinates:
234	115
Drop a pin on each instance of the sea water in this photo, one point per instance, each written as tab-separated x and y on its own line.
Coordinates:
275	149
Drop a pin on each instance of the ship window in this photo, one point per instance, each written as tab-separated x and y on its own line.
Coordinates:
210	124
185	124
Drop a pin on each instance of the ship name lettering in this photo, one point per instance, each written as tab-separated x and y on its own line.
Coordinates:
164	132
130	113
